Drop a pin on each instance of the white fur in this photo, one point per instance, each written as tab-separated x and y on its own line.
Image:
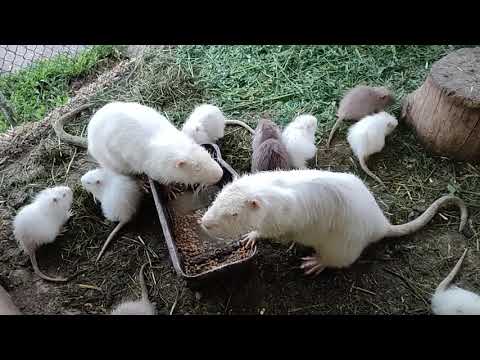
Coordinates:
299	139
334	213
41	221
206	124
367	136
7	306
139	307
455	301
130	138
119	195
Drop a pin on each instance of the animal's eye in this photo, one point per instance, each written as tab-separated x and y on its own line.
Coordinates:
234	214
64	195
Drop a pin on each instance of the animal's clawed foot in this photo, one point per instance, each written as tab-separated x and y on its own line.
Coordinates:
250	239
312	265
291	246
171	195
70	213
173	191
146	188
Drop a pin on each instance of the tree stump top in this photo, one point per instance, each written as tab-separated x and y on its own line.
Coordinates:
458	74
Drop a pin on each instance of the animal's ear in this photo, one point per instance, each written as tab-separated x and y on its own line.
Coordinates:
384	96
180	163
253	203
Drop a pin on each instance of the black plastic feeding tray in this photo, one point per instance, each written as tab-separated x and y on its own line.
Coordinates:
165	212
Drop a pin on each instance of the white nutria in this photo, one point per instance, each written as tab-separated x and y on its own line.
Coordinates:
299	139
7	306
119	196
359	102
454	300
367	137
206	124
334	213
139	307
130	138
41	222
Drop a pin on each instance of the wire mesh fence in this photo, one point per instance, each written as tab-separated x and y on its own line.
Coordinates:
15	57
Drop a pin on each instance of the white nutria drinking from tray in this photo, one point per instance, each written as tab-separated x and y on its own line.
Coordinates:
130	138
334	213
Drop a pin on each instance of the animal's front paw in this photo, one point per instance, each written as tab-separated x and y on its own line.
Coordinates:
171	194
250	239
172	191
312	265
70	213
146	187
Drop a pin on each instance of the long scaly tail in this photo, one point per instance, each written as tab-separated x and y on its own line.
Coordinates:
422	220
109	239
33	259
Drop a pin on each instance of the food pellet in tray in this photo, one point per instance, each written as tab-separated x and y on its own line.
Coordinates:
200	252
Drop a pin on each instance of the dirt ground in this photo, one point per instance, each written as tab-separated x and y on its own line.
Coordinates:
395	276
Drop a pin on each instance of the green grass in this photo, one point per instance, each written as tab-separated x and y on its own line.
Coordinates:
287	80
34	91
246	81
280	81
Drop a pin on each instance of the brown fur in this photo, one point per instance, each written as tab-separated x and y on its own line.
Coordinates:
269	153
359	102
266	129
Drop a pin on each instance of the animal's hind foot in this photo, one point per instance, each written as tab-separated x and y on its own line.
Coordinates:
312	265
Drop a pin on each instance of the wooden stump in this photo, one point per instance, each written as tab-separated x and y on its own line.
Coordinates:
445	110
